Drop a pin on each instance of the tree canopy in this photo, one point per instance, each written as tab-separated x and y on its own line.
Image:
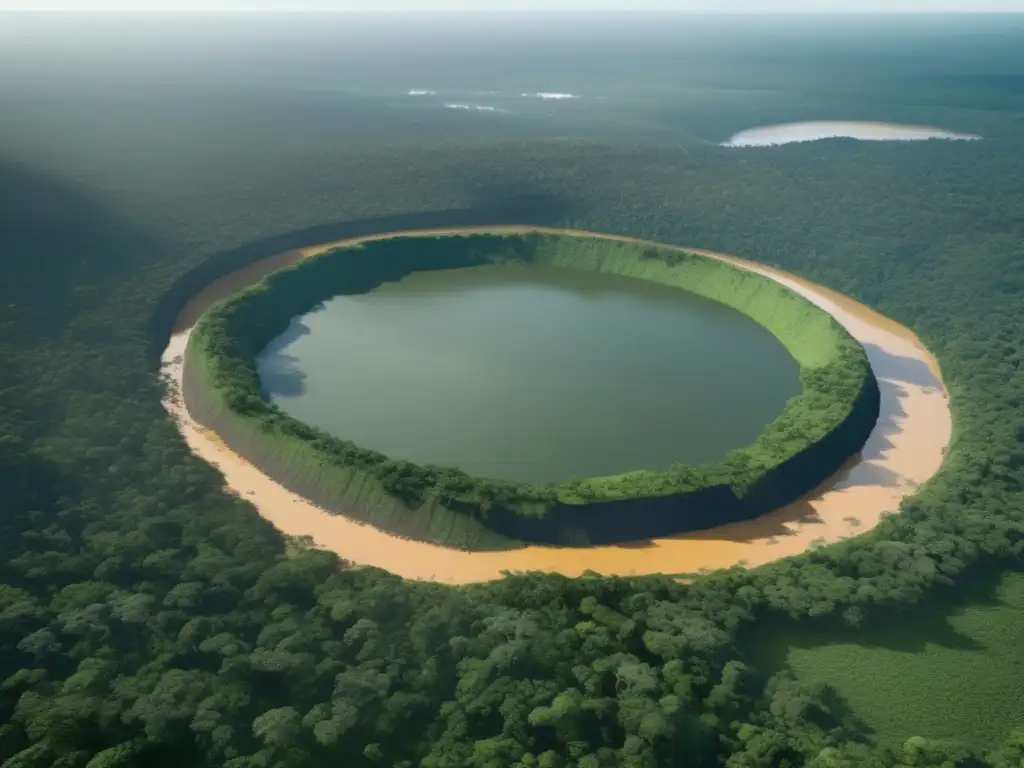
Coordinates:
148	618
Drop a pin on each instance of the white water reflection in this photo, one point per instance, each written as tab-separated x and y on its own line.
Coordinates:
788	133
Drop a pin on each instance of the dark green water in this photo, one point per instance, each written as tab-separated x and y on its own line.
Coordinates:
532	373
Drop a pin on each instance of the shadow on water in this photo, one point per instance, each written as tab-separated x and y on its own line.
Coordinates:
891	415
281	373
868	474
773	525
498	209
905	370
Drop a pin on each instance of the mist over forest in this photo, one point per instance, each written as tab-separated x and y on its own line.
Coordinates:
149	617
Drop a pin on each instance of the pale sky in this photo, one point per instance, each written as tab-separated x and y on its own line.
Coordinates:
685	6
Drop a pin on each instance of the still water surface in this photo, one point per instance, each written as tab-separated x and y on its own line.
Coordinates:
531	373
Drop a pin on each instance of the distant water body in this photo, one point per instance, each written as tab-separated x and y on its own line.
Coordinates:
529	373
789	133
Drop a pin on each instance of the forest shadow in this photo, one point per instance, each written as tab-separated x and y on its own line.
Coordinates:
769	526
779	523
772	525
59	244
502	208
856	726
31	487
927	623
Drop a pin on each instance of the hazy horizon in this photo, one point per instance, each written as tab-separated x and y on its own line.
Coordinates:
702	7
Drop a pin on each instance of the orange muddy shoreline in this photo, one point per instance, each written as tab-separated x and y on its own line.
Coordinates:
903	451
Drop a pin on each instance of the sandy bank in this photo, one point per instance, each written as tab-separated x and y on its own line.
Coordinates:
904	450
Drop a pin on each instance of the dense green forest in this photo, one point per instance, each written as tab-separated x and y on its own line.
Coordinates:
814	435
147	618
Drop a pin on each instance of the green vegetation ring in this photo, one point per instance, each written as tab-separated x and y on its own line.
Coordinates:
820	428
